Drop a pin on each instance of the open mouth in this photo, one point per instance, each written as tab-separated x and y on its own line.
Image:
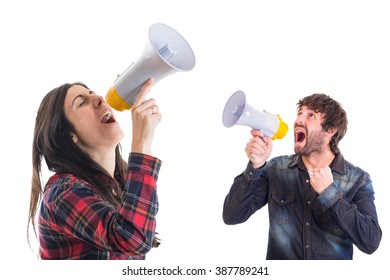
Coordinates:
107	118
300	136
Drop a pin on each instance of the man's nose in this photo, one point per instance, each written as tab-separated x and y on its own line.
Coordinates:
299	120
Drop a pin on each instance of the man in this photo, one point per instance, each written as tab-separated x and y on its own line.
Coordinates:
319	204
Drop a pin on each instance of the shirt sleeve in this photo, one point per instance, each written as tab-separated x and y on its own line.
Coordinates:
128	229
246	195
355	213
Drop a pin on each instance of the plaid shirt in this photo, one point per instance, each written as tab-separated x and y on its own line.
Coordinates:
76	223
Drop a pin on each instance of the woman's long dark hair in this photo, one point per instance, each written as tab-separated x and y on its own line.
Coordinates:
52	141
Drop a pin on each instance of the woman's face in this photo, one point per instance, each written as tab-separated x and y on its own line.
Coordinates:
96	129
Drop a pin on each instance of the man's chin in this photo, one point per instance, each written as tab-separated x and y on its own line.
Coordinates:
298	148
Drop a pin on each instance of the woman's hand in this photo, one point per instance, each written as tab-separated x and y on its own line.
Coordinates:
145	118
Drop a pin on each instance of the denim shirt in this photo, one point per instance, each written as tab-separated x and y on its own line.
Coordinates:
303	224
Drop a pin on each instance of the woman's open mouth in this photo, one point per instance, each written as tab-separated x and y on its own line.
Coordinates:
107	117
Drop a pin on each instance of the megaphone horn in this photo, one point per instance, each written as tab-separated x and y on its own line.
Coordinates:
167	52
238	112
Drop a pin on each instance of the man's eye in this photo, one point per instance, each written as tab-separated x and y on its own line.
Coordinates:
82	103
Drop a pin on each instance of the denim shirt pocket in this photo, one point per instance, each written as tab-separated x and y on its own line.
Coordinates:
281	207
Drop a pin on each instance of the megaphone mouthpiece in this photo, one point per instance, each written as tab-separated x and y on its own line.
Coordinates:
238	112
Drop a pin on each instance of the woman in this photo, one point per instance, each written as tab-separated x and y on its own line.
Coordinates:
95	206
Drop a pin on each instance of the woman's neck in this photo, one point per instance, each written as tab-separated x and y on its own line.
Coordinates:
106	159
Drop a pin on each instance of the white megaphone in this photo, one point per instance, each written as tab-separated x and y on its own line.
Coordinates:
167	52
238	112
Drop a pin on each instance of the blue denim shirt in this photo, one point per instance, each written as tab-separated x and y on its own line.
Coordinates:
303	224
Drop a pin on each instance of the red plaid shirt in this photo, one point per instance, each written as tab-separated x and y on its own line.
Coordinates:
76	223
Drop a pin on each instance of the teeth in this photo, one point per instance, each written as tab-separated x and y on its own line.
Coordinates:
106	117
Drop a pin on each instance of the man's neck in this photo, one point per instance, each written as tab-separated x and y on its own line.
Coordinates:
318	160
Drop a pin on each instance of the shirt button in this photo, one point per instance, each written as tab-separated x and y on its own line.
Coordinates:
307	181
307	224
307	246
308	202
251	173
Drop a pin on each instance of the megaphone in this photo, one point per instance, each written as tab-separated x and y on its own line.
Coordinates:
166	52
238	112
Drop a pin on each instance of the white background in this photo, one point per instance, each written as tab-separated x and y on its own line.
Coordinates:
275	51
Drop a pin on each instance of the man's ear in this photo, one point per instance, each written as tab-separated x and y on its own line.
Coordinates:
331	132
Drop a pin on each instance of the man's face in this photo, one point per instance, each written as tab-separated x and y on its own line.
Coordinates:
309	135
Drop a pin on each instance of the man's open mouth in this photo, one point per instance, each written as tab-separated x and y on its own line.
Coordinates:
300	136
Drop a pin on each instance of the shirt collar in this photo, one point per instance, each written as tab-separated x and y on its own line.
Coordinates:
337	165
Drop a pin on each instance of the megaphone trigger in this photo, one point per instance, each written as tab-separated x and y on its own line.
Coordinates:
144	90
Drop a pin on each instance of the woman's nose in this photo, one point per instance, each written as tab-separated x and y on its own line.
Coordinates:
98	101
